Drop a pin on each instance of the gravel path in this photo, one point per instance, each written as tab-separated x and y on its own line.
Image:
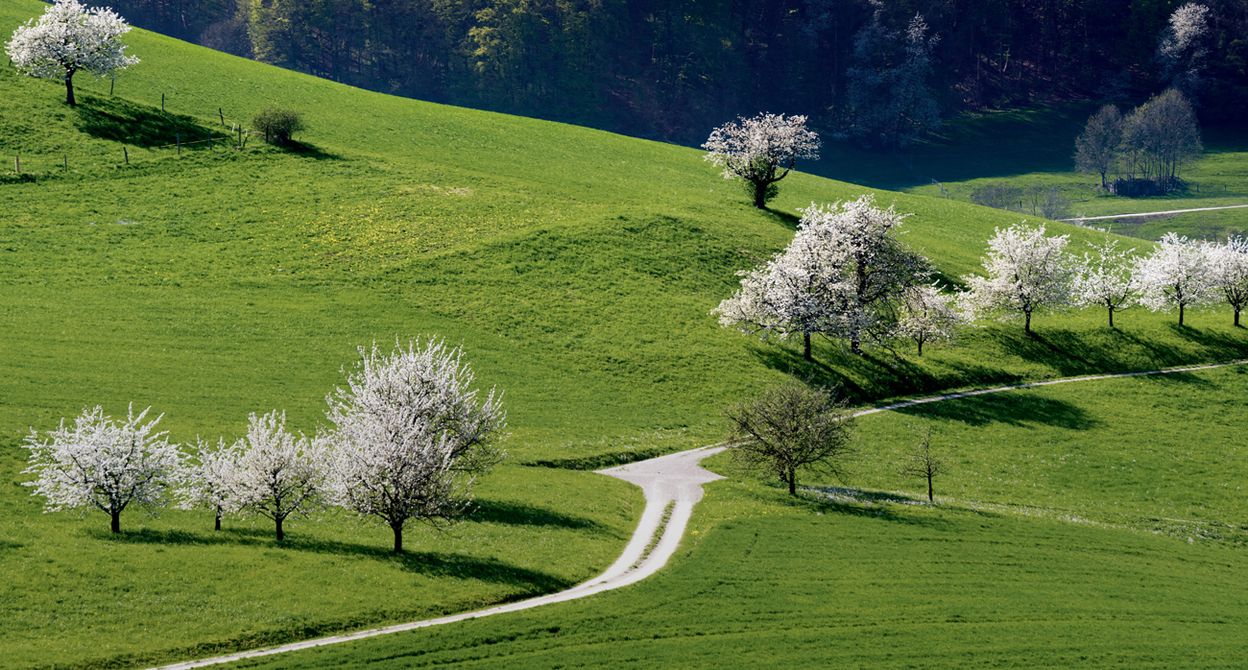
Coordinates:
1140	215
669	482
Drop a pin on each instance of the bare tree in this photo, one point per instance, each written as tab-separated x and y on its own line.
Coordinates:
1159	137
1096	149
791	427
923	463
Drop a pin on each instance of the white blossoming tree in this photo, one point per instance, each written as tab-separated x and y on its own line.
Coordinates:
70	38
103	463
275	473
410	435
1176	274
1026	270
1229	265
928	315
209	481
761	151
1105	279
841	276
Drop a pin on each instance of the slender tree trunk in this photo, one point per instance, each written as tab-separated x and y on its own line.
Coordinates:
1237	317
1180	314
855	345
281	534
806	347
792	483
69	89
760	195
1104	186
398	537
930	497
115	526
1027	322
217	522
920	343
1111	317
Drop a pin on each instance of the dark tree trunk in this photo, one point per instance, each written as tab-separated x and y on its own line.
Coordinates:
1111	317
1027	322
855	345
398	537
792	483
1237	317
930	497
281	534
806	347
920	343
760	195
1180	314
115	526
217	522
69	90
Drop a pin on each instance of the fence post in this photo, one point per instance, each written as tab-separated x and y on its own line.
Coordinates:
17	163
112	81
221	113
162	102
65	161
126	153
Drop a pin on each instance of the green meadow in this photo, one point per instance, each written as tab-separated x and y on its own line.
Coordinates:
577	269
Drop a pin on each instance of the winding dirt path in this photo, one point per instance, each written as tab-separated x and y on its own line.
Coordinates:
672	486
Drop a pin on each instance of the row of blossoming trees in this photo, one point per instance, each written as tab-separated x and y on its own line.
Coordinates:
407	436
846	275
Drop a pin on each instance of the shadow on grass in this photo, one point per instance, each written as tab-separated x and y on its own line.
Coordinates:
306	150
518	514
122	121
433	564
882	507
1012	409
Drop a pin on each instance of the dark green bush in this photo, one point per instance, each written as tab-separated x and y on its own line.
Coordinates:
278	125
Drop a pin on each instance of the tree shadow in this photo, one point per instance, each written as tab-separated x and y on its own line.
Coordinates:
891	509
306	150
433	564
519	514
139	125
787	219
1013	409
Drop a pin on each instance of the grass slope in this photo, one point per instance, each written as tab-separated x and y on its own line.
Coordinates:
576	267
880	580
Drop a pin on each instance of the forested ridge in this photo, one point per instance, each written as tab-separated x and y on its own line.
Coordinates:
673	68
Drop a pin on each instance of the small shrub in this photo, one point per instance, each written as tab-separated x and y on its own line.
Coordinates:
278	125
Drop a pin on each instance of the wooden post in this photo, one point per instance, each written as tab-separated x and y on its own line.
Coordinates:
221	113
17	163
65	161
112	81
126	153
162	102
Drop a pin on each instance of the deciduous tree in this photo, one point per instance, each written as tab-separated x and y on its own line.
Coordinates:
70	38
1096	148
1026	270
1106	279
209	481
103	463
789	428
276	473
1229	270
924	464
1178	273
410	435
761	151
928	315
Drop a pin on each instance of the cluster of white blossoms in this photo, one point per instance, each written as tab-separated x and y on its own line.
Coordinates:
846	276
70	38
408	437
761	150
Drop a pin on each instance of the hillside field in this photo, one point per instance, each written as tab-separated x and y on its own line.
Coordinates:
577	269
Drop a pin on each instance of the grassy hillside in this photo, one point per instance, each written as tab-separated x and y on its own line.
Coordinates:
577	269
1015	568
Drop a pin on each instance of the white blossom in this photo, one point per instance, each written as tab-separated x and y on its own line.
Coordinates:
209	481
1177	273
103	463
1106	279
928	315
410	434
1026	270
1229	266
69	38
841	276
761	150
276	473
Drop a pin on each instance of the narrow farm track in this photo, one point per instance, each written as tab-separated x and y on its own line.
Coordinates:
673	482
1143	215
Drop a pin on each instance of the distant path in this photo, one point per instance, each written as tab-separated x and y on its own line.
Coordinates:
673	482
1141	215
